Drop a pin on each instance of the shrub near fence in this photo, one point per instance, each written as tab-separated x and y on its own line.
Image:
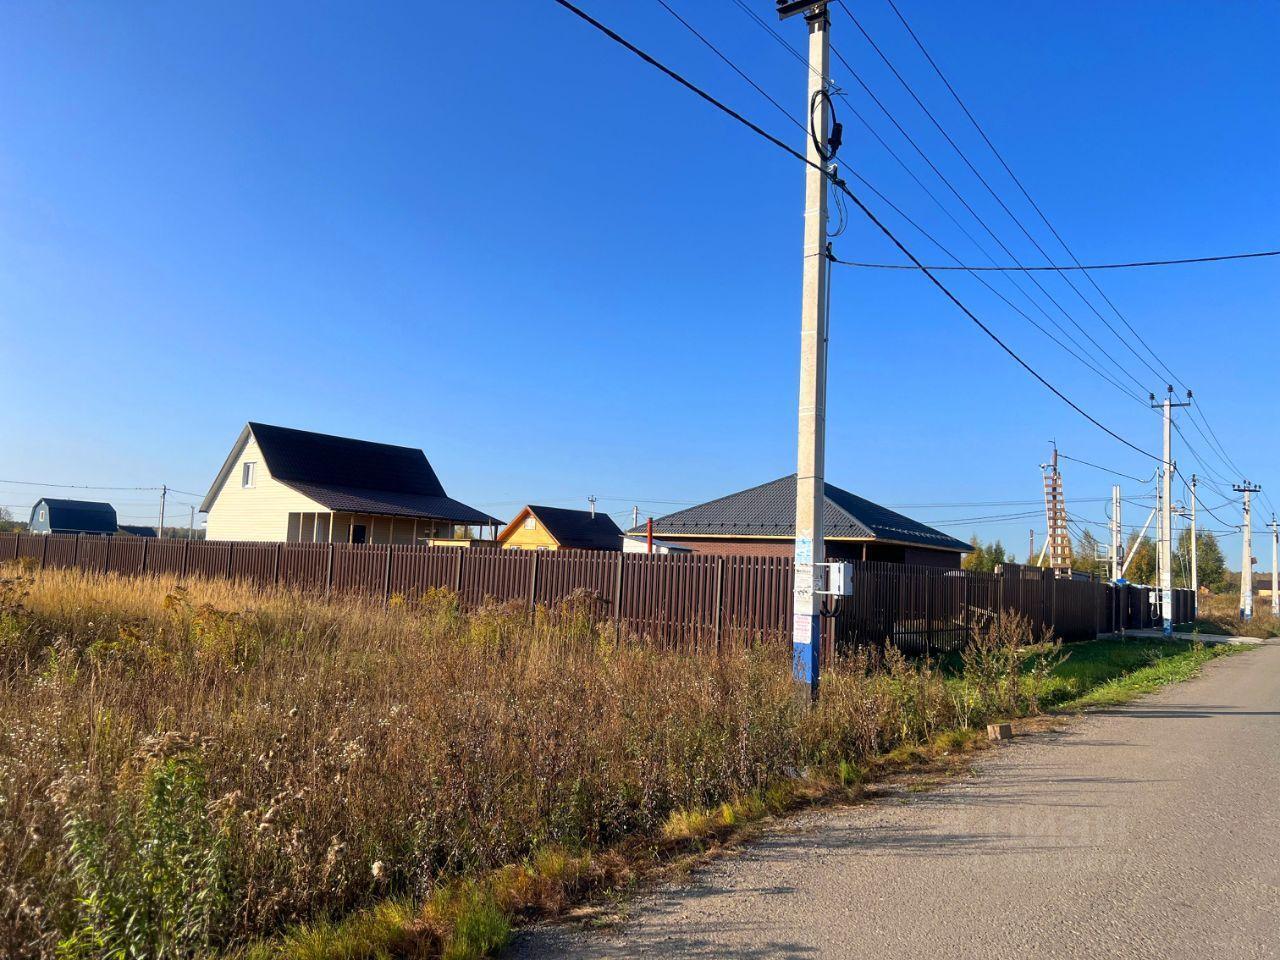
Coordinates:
689	601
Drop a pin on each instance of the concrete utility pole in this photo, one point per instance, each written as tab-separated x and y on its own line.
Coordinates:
592	500
1117	534
1275	574
1165	551
1195	573
1246	559
810	550
164	491
191	525
635	517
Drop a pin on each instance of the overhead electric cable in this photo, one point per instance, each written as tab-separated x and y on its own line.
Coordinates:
1035	206
977	173
843	187
982	223
1096	466
1082	355
1057	268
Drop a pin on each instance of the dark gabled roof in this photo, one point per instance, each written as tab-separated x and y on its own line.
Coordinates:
78	516
391	504
350	475
305	457
578	529
135	530
769	510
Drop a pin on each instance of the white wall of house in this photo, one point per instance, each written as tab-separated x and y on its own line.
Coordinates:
256	512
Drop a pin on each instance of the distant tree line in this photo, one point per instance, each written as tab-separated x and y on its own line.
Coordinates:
1090	557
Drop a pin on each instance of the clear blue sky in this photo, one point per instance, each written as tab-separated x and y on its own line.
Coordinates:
491	233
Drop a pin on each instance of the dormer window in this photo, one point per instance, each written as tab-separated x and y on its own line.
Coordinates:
530	523
246	474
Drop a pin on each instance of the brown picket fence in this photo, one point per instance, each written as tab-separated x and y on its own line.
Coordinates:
693	602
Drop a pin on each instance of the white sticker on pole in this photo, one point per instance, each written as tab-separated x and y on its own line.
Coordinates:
802	628
804	550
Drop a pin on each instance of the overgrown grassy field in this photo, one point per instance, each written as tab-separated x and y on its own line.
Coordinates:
1220	614
209	771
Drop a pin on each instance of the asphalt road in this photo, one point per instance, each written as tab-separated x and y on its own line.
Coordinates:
1149	831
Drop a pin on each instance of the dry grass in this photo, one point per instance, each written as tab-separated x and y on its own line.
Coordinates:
1220	614
187	770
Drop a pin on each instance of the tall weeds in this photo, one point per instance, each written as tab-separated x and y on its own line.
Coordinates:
185	769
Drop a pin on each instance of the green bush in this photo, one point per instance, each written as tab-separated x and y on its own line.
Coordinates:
154	882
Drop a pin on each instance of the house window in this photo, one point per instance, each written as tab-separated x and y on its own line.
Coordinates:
246	475
41	514
530	523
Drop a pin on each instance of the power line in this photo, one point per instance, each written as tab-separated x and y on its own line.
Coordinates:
75	486
977	173
1081	357
1055	268
843	187
1096	466
1035	206
983	223
738	70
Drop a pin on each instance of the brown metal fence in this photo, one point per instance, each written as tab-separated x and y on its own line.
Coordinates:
689	601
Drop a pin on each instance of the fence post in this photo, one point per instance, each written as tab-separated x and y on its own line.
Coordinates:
44	552
275	566
386	578
186	549
143	569
328	573
719	601
231	549
106	555
928	613
457	573
617	598
533	581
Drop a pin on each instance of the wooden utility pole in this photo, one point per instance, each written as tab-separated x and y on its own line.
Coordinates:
810	550
1246	558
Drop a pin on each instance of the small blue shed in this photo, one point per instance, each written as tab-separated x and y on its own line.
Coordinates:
72	516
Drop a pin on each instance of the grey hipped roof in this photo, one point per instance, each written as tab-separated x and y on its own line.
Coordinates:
344	474
578	528
769	510
78	516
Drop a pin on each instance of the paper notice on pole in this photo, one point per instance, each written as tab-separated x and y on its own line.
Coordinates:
803	592
802	628
804	550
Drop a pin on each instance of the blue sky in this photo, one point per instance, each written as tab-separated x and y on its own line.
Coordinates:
501	238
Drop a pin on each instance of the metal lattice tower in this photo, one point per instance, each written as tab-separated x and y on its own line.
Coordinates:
1058	542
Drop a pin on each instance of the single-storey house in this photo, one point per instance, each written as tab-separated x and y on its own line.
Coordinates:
290	485
51	515
558	528
639	543
761	521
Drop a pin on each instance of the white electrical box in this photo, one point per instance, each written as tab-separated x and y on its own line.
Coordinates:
840	579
